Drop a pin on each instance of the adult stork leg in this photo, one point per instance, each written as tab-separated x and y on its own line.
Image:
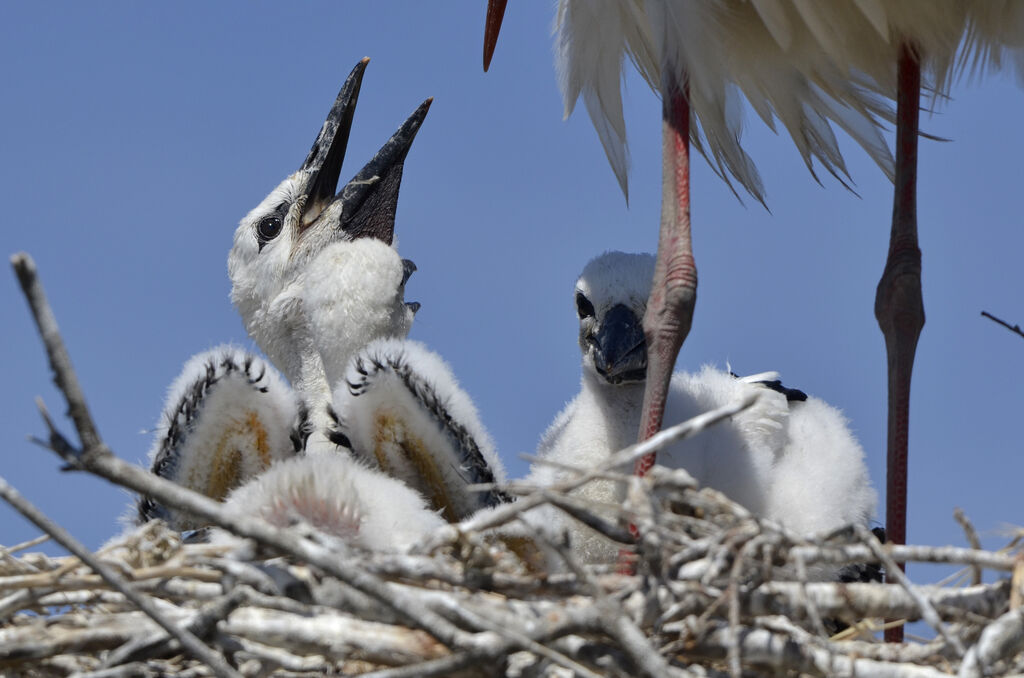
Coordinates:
674	290
899	307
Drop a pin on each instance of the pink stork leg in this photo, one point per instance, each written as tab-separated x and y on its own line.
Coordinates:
674	290
899	307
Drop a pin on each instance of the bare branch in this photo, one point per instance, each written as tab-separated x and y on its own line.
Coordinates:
1013	328
972	539
60	362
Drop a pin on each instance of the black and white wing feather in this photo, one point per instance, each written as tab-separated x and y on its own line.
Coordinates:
402	411
227	418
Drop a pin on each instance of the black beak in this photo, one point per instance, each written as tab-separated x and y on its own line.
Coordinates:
369	201
324	160
620	350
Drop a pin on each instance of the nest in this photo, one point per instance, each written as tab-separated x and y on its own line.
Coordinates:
717	592
713	590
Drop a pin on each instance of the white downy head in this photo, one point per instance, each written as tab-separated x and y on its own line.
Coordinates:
611	295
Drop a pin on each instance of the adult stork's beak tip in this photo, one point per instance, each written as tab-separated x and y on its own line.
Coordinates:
495	13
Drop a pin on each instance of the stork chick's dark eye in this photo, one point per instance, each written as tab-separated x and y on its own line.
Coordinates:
584	308
268	228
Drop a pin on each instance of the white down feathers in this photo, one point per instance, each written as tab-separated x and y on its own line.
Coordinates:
796	463
228	416
353	294
404	413
338	497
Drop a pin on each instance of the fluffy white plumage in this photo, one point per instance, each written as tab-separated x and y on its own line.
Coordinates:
337	496
403	412
228	416
311	316
796	463
353	294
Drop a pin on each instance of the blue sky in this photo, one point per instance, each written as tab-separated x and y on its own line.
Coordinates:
135	135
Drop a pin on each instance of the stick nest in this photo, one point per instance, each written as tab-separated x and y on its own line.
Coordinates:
717	592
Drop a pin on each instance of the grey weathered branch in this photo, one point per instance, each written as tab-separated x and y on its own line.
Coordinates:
60	362
188	641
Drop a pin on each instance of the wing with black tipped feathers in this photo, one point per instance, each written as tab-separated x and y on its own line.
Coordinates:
402	411
228	416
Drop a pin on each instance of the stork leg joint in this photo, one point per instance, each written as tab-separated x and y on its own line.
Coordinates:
899	304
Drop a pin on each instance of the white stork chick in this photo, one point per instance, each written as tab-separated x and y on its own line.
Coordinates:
227	418
796	463
286	267
314	278
339	497
401	410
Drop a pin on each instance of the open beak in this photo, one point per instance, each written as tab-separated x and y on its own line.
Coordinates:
495	13
366	204
620	349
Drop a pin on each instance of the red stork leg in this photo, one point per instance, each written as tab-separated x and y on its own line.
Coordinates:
899	307
674	289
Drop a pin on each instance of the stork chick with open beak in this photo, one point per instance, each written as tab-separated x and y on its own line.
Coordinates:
315	278
295	283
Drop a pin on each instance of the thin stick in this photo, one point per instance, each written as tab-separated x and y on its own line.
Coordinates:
189	642
60	362
1013	328
972	539
27	544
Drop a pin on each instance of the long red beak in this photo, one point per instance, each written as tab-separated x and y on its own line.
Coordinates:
495	13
